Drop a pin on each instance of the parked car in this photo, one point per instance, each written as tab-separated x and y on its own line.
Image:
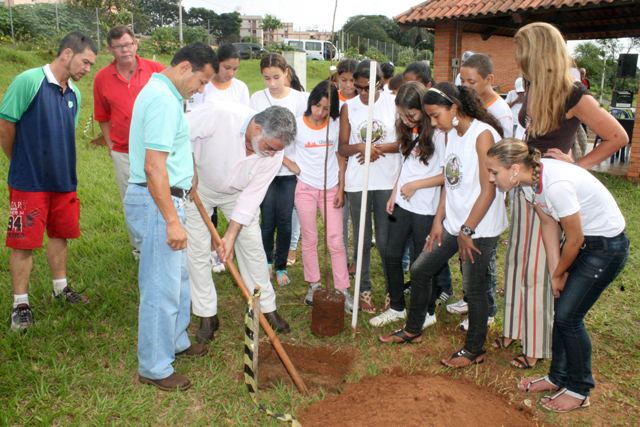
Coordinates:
249	50
316	50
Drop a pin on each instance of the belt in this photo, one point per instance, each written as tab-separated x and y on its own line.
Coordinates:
180	193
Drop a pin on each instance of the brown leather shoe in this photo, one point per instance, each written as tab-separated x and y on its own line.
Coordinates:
194	350
277	323
172	383
208	325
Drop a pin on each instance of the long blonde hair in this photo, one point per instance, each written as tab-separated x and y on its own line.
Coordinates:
542	55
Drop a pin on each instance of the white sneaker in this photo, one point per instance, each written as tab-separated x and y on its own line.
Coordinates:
348	300
216	265
387	317
308	300
430	320
464	325
460	307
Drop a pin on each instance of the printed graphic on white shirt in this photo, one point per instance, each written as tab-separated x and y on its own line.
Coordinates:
378	132
452	173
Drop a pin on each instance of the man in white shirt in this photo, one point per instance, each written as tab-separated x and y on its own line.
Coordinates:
514	100
237	153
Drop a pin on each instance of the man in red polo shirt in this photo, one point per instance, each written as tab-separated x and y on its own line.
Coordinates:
115	89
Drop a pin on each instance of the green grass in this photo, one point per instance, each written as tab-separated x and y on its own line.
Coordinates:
77	366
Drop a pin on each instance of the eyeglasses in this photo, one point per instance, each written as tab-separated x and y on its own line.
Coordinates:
123	46
364	88
269	148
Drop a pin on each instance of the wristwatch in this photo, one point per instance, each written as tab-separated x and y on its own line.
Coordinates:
467	231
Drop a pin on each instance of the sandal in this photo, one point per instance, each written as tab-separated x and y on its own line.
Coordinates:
290	262
585	401
387	303
366	302
552	386
401	337
499	343
522	362
352	270
473	359
279	280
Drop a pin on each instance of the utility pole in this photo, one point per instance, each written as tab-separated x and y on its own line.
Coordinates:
132	23
98	27
13	36
180	15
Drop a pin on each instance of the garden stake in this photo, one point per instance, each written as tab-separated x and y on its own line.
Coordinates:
365	191
245	291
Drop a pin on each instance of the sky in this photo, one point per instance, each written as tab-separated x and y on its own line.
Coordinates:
307	14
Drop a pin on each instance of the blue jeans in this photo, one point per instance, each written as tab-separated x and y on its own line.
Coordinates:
408	227
276	210
165	300
492	283
599	262
376	205
423	293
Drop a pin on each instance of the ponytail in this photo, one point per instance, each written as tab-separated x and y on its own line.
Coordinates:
511	151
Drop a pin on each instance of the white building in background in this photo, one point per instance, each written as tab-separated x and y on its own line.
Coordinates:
252	27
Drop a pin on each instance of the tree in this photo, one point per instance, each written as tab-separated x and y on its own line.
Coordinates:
590	56
161	13
227	27
200	16
270	24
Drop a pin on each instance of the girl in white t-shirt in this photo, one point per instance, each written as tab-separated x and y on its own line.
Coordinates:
383	170
277	206
415	197
344	78
595	251
470	217
312	148
223	85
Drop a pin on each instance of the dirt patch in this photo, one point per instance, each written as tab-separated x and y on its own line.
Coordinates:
324	367
99	141
399	399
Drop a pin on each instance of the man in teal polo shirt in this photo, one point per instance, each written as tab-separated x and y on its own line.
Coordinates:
161	176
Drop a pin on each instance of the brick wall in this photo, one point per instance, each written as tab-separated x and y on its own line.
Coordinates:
502	54
444	50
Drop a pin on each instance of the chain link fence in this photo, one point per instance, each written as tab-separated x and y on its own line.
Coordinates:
353	46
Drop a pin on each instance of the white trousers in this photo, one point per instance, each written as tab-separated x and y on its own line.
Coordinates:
249	252
121	169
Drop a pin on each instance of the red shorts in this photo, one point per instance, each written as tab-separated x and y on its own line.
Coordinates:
32	212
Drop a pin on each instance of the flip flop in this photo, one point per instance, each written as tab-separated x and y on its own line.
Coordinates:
290	262
401	337
522	360
464	353
279	273
526	390
499	343
584	404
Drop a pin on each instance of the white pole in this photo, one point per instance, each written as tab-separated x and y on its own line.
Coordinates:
602	81
365	193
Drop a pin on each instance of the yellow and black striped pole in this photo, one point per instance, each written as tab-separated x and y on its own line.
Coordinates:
249	373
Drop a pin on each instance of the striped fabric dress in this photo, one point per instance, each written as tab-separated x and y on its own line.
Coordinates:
528	300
